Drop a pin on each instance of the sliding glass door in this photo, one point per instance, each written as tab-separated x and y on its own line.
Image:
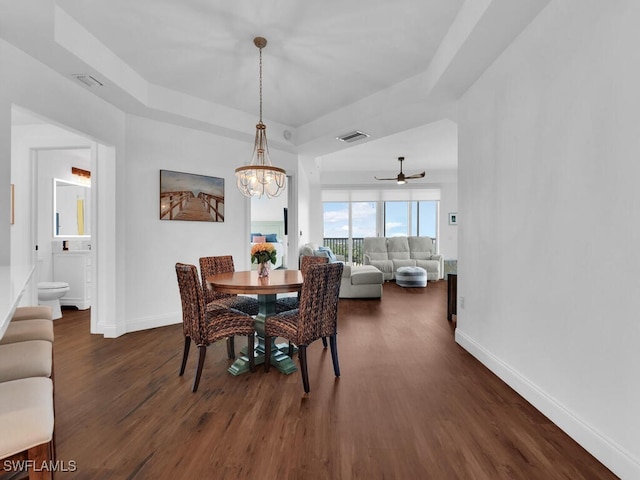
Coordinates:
346	224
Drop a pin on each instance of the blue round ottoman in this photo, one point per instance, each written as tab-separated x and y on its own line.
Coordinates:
411	277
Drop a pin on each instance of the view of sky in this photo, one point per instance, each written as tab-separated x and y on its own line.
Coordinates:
336	219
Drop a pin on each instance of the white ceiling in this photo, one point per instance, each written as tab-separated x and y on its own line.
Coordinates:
320	55
390	69
434	145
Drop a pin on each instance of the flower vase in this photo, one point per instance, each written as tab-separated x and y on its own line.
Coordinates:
263	270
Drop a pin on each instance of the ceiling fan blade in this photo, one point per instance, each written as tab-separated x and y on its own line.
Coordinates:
402	178
394	178
417	175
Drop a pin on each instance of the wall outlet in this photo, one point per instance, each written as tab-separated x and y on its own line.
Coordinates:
461	301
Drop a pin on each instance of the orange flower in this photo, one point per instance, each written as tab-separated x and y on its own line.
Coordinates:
262	247
263	252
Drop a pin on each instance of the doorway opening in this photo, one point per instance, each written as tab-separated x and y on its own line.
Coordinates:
41	152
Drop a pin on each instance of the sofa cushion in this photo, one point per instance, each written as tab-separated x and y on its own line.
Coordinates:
431	266
398	248
366	274
403	263
346	271
375	248
422	248
385	266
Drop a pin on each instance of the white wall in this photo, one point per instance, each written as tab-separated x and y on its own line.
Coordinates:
26	83
138	286
24	140
549	141
267	209
309	204
448	234
153	246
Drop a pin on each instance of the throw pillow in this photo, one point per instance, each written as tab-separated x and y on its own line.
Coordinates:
254	235
259	239
271	238
329	253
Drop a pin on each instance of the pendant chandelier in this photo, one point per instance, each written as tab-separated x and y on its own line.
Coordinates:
260	177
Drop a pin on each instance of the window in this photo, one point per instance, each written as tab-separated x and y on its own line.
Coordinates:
427	214
347	223
396	219
418	218
336	219
363	219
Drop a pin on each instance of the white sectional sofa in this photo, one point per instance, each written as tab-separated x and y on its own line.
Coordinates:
388	254
358	281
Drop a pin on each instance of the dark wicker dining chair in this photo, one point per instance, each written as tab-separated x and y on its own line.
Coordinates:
224	264
285	304
317	317
291	303
208	324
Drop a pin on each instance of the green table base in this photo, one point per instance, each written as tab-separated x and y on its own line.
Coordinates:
279	358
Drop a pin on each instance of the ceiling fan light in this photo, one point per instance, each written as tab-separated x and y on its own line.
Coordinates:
401	178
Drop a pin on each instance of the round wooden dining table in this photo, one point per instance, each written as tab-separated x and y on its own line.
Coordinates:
266	289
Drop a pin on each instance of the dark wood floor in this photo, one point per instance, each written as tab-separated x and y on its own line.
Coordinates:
411	404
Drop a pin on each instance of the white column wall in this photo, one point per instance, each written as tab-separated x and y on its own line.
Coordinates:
448	234
549	141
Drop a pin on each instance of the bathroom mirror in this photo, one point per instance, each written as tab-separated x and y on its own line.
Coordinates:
71	209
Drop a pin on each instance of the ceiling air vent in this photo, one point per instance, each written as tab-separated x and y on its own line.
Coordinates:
88	80
352	136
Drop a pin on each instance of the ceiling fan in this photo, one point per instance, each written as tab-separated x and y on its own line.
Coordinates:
402	178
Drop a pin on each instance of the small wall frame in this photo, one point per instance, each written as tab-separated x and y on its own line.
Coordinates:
453	218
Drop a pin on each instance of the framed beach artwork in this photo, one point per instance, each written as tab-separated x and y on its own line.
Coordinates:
191	197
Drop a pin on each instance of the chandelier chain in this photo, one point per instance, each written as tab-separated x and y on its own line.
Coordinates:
260	85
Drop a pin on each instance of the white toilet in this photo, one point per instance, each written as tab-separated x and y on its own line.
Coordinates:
50	293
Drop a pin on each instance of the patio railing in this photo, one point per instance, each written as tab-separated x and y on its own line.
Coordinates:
340	246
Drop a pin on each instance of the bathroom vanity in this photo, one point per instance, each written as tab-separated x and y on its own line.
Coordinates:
74	267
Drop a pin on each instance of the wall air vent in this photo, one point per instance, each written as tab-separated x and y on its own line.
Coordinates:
88	80
352	136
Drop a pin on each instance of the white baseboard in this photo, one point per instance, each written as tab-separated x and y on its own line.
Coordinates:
108	331
114	331
613	456
153	322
